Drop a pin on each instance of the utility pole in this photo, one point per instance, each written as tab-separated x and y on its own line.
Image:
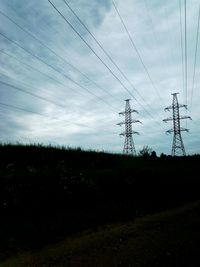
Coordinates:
129	147
177	145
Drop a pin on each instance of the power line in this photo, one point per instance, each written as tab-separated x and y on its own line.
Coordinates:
11	56
80	36
72	27
108	55
181	37
168	31
102	48
52	67
195	58
151	22
154	34
136	50
22	109
31	67
185	19
31	94
26	85
46	116
53	52
37	70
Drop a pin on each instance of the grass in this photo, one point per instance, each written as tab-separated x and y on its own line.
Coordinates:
169	238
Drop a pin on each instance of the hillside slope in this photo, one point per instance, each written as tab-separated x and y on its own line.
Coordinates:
48	193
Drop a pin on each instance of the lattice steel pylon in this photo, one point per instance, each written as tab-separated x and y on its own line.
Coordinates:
129	147
177	145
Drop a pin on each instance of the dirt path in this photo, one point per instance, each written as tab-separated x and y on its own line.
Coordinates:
170	238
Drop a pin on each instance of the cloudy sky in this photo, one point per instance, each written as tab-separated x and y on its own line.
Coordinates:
58	86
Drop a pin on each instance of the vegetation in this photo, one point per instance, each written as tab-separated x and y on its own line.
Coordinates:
48	193
170	238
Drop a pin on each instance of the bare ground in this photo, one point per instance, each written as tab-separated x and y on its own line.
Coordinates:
170	238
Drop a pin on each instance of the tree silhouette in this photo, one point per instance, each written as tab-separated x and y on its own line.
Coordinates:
146	152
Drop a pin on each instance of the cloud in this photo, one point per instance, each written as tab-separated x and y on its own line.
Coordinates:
95	102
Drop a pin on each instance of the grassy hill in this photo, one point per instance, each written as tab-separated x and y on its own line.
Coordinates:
48	193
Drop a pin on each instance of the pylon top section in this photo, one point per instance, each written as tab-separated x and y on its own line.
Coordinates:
175	94
128	108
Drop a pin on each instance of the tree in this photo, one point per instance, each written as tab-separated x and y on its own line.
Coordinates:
146	152
153	154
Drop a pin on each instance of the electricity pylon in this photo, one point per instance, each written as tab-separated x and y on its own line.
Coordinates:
129	147
177	145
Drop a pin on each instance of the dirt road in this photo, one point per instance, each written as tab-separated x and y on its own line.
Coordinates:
170	238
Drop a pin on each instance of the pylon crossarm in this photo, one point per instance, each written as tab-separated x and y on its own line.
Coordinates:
182	106
120	123
168	119
128	133
128	111
130	121
169	131
184	130
135	121
168	108
185	117
135	111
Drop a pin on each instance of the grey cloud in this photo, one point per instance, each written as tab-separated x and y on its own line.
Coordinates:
81	107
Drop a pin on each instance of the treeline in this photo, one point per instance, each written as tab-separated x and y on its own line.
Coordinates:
47	192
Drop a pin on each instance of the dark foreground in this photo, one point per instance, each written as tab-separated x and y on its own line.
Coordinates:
169	238
48	194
